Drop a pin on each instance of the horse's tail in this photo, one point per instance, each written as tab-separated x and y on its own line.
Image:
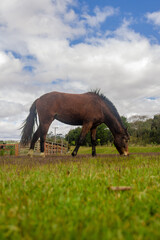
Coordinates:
28	125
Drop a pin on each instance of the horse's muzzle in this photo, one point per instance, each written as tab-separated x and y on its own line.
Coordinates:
126	153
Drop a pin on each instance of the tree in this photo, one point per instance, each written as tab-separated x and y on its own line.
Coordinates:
73	135
139	129
103	133
155	130
142	130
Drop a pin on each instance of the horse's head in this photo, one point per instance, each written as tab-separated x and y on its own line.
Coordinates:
121	143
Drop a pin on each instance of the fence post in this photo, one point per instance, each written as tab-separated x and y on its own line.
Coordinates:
16	149
45	147
61	145
52	148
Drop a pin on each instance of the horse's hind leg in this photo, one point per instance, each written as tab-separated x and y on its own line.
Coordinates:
34	140
86	127
43	133
93	141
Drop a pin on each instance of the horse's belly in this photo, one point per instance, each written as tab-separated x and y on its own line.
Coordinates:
69	120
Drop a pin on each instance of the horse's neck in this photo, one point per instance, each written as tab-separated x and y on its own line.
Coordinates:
113	123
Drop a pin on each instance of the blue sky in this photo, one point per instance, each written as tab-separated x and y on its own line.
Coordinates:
74	46
127	7
132	10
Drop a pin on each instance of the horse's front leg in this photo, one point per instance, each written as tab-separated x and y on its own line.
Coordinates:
93	141
74	153
79	143
86	127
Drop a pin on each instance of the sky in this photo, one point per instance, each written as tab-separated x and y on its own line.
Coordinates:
74	46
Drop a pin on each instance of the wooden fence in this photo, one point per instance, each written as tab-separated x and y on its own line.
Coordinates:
15	149
9	149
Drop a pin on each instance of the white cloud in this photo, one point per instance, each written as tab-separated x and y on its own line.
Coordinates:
8	64
10	109
154	17
124	64
100	16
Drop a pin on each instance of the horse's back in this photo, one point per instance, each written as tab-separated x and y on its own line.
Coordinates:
67	99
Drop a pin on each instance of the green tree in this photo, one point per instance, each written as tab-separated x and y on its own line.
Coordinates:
73	135
139	130
104	134
155	130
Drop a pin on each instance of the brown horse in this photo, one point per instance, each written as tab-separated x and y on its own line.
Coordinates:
88	109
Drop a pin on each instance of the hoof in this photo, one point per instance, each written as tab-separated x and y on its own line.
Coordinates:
42	154
73	154
94	155
30	153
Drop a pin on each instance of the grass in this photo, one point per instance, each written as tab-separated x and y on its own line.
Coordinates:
112	149
69	198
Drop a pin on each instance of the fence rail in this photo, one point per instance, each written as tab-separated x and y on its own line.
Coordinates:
52	148
11	149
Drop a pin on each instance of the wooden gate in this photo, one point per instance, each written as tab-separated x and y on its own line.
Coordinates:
52	148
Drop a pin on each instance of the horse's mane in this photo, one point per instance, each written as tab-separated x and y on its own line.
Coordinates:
109	104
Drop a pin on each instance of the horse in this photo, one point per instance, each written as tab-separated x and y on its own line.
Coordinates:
87	109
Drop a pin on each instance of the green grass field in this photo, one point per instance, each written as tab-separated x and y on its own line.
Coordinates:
112	149
70	198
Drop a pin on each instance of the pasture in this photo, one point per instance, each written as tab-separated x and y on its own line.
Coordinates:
61	197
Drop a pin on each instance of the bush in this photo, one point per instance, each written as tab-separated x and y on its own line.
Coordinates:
2	152
12	152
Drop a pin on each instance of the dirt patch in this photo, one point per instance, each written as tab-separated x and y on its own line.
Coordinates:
37	160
